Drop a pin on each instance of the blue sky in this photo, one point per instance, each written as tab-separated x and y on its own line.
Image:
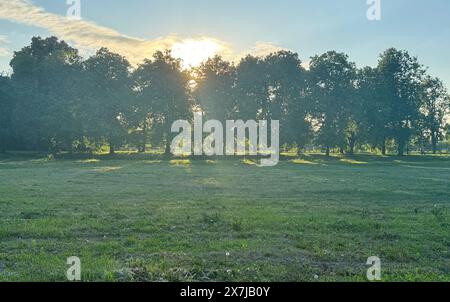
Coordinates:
137	27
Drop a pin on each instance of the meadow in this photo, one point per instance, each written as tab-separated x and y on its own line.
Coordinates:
145	218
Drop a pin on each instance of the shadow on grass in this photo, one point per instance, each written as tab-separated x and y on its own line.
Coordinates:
157	157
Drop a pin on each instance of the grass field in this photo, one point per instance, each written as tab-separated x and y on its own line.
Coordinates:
145	219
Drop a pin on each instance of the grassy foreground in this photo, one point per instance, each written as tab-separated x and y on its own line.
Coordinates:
140	219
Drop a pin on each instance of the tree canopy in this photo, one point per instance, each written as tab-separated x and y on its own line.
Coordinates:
55	100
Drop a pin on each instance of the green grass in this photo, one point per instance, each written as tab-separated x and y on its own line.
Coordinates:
133	218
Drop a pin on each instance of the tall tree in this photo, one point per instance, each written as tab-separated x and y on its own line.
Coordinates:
274	88
45	75
144	102
215	84
332	85
165	86
373	110
434	107
251	89
400	87
287	102
108	96
6	105
447	130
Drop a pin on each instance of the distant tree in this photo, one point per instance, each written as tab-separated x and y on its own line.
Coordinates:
287	101
215	84
6	106
251	89
274	88
400	88
373	109
214	91
144	102
435	104
108	97
56	101
447	133
164	88
45	79
332	85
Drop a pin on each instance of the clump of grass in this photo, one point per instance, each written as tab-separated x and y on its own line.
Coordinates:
136	271
237	225
440	214
30	215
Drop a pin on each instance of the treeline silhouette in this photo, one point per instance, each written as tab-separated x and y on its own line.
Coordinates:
54	100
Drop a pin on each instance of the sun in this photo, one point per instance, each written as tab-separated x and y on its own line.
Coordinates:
193	52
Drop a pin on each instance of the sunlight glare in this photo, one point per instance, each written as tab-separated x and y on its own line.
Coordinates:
193	52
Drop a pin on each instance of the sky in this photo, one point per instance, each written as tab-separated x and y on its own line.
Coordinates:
196	29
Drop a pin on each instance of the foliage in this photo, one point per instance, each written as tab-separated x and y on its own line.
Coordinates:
57	101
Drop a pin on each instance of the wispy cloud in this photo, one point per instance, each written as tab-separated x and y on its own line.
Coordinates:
262	48
4	51
85	35
89	36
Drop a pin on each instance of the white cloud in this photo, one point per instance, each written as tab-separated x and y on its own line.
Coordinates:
4	51
85	35
262	49
88	36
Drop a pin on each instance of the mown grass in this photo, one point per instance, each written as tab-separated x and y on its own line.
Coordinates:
145	219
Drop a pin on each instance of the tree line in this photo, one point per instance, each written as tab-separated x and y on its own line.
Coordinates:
54	100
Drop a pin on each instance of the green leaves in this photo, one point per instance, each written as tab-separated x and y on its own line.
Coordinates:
55	100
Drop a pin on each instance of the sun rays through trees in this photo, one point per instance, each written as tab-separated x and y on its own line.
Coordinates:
57	101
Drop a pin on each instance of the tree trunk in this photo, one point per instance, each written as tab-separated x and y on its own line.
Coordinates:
383	147
401	148
111	149
341	150
351	149
352	143
434	142
167	150
142	147
327	152
53	149
144	138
